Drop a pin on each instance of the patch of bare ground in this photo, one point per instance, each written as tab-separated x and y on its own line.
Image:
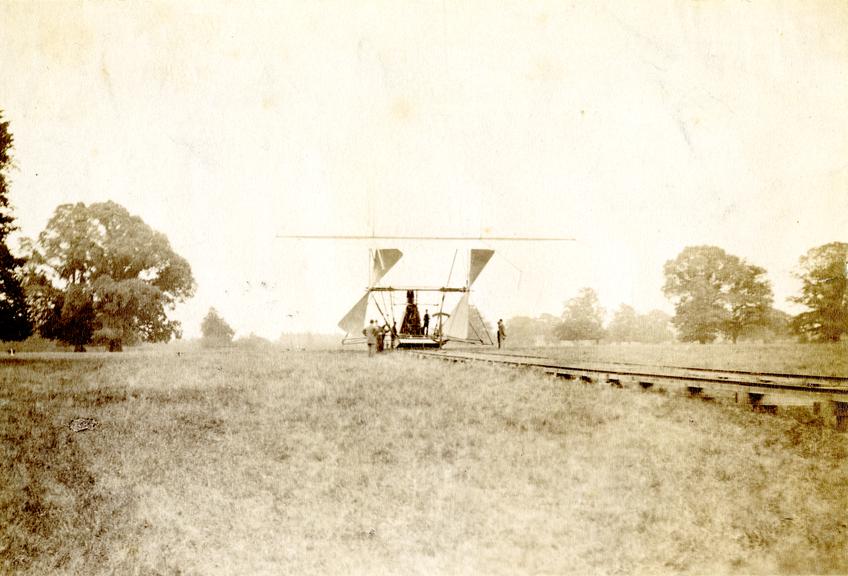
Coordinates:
263	463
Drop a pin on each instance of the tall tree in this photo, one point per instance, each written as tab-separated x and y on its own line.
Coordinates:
624	325
749	299
582	318
824	291
694	282
104	255
14	319
715	293
215	330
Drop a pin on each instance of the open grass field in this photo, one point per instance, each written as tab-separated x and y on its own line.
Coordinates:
268	462
787	357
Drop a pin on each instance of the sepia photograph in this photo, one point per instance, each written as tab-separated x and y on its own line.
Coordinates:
423	287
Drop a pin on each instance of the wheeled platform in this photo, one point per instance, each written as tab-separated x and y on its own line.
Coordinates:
417	342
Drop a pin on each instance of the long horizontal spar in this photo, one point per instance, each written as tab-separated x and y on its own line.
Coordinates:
430	238
415	289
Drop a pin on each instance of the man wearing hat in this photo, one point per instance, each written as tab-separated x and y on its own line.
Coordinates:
370	332
501	333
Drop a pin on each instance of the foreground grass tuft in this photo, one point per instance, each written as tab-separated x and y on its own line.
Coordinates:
257	463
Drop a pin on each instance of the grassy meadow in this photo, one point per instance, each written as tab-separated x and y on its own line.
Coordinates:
273	462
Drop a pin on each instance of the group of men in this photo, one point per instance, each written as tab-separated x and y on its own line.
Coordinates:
375	336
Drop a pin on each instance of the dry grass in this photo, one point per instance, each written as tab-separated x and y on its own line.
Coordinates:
824	359
235	462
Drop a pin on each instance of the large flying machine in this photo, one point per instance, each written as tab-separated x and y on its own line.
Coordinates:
398	308
447	313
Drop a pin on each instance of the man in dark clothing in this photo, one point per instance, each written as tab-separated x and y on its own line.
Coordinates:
501	333
426	321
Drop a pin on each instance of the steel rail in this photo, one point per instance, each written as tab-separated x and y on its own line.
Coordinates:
837	393
786	375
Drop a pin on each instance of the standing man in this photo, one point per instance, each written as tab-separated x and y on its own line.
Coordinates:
394	334
501	333
426	321
380	339
370	332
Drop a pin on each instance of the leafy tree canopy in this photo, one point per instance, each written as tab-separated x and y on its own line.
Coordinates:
623	327
127	271
824	291
715	293
777	326
582	318
215	330
74	316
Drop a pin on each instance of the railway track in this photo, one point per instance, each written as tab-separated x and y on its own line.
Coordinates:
778	378
763	391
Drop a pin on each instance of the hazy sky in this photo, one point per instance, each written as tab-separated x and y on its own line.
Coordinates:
636	127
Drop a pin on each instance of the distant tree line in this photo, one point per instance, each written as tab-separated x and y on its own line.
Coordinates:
715	295
98	274
582	319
